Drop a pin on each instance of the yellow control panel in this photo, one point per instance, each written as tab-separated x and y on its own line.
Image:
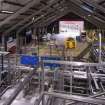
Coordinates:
70	43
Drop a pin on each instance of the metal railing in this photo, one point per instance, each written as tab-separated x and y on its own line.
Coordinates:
73	84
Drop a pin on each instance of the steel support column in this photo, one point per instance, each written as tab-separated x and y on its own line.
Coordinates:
3	43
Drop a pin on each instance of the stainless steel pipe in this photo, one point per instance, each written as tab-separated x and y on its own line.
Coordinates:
18	88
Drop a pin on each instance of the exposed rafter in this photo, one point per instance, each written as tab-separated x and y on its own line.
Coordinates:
28	24
34	21
52	19
101	2
92	18
75	9
22	10
30	17
92	2
17	4
80	12
96	17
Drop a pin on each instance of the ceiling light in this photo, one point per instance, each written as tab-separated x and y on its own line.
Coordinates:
42	15
89	15
9	12
62	9
87	9
33	18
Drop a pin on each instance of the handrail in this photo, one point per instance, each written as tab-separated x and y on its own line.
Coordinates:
18	88
72	63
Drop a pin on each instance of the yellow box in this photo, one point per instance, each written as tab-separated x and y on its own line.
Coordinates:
70	43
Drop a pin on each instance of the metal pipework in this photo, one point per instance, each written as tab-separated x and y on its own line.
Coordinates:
76	98
91	100
37	101
1	94
18	88
100	47
72	63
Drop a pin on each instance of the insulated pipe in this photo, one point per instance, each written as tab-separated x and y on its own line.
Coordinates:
18	88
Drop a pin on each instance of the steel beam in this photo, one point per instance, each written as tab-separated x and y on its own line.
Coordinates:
30	17
32	22
100	2
76	98
93	96
83	13
49	20
44	19
80	12
80	3
28	24
54	18
22	10
16	4
75	63
92	2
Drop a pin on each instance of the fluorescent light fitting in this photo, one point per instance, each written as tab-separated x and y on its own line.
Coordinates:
33	18
9	12
89	15
62	9
42	15
87	9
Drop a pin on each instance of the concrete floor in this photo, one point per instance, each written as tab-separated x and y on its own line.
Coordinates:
20	100
44	50
79	48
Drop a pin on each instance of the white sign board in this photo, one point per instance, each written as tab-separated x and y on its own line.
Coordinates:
73	28
11	44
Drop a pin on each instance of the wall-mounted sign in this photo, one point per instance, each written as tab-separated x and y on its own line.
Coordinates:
11	45
73	28
29	60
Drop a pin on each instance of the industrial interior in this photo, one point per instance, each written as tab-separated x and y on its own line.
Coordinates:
52	52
